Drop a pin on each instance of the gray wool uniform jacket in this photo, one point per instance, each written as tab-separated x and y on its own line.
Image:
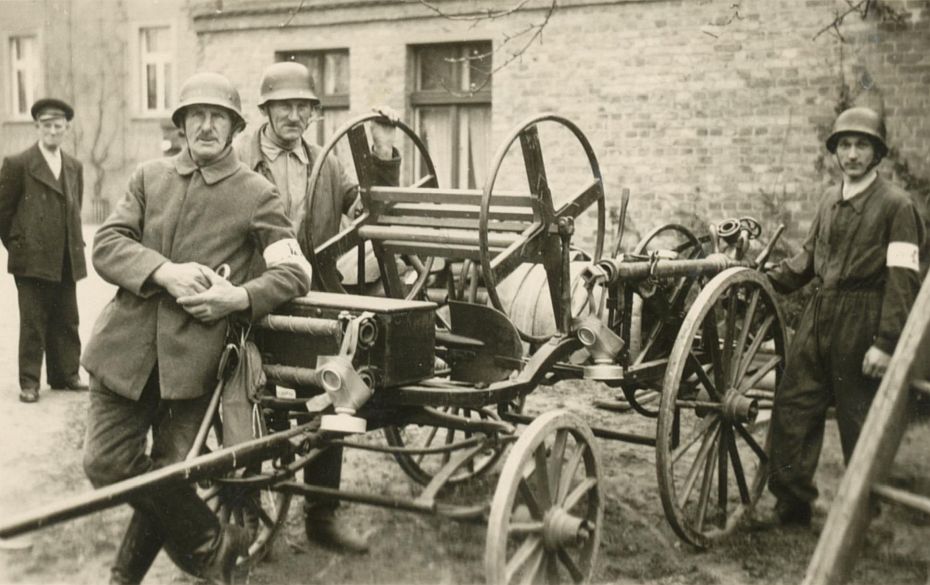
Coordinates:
175	211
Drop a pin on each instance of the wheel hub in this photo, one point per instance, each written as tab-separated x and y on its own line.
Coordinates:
561	529
740	408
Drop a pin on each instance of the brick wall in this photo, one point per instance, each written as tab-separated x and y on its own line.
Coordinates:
700	112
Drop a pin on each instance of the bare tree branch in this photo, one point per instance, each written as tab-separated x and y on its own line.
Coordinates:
293	13
99	131
535	31
734	15
862	7
487	14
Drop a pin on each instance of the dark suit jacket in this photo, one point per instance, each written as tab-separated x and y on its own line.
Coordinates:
40	217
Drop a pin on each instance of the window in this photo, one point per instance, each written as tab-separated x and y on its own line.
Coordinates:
156	56
330	71
24	72
451	101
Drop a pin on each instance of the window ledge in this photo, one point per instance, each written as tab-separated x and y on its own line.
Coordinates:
150	116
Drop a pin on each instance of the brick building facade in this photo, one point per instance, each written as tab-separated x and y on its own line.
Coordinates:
703	109
118	62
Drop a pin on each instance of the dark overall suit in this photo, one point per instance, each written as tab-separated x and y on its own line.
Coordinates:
40	226
336	193
863	299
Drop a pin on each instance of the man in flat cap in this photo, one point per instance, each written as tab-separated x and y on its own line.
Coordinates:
41	191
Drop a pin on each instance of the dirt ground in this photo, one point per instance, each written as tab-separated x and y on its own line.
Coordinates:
40	452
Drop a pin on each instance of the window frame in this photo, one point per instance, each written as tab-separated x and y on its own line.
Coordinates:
454	99
138	78
31	65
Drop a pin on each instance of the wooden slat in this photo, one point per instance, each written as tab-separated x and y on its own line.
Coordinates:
450	251
434	235
496	212
902	497
466	196
450	223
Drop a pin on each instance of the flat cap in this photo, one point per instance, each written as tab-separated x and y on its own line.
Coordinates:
54	104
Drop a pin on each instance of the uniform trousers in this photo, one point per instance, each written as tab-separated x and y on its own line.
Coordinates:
172	516
324	471
824	368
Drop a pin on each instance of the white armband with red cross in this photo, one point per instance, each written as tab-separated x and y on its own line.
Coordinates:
286	251
903	255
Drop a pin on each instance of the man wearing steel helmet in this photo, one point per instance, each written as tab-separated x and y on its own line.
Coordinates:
155	349
278	151
41	191
862	249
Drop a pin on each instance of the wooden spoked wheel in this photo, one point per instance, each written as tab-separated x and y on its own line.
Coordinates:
236	500
422	467
547	239
716	406
546	515
665	305
325	254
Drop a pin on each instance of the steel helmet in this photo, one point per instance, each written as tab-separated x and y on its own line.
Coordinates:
860	120
208	89
287	80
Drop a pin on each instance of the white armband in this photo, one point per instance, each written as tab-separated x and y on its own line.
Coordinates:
903	255
286	251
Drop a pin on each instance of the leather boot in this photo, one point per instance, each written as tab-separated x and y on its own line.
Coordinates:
191	531
137	552
324	529
793	513
785	512
234	543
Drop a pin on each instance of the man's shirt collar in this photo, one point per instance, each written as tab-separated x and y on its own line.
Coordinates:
212	173
48	153
52	158
271	150
860	195
851	189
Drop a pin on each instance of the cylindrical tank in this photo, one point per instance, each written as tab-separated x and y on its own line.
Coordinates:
525	297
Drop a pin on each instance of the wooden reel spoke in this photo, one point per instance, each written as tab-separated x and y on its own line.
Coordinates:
422	467
325	254
716	406
237	501
547	512
546	240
